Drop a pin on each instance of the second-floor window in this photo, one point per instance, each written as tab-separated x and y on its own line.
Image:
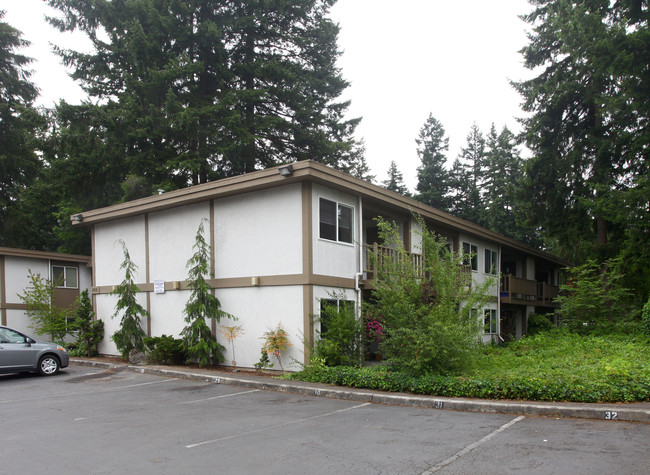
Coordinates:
470	253
65	277
336	221
491	261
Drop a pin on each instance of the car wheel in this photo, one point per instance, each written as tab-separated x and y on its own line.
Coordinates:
48	365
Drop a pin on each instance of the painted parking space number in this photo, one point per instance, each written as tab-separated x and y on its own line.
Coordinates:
611	415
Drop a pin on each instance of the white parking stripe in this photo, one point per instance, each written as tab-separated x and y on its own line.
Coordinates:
275	427
471	447
219	397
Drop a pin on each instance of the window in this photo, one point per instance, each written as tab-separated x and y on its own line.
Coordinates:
491	262
327	306
336	221
470	252
65	277
490	322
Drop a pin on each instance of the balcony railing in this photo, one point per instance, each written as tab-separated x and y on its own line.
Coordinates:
384	254
528	292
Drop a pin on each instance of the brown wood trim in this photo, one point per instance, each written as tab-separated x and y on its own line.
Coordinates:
14	306
213	323
9	251
307	230
147	270
242	282
3	292
93	273
308	319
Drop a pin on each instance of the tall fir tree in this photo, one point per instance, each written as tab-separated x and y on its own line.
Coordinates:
21	127
395	180
588	121
467	179
200	90
433	177
503	173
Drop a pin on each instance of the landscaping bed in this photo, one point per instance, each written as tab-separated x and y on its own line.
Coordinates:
553	366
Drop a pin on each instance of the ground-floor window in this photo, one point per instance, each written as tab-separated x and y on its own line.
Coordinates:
490	321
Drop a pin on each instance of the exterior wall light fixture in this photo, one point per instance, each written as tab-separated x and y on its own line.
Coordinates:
286	170
77	218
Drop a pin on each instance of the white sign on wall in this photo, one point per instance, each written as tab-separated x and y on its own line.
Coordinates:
158	286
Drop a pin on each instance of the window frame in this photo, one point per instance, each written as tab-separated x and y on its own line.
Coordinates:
339	225
491	263
333	302
473	252
490	322
65	284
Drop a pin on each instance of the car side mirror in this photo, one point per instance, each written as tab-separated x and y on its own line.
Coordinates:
29	341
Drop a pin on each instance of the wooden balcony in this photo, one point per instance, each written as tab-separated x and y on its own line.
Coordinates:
384	254
413	259
527	292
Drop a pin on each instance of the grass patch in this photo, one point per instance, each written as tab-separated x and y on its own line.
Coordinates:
551	366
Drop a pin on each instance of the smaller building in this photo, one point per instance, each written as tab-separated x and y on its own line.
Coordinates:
71	273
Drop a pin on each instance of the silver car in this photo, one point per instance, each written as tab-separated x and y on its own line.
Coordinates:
19	353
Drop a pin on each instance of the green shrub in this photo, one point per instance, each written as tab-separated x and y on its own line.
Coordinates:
594	299
551	366
645	318
426	309
165	350
341	341
538	323
89	331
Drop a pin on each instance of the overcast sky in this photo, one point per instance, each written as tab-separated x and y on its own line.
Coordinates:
453	59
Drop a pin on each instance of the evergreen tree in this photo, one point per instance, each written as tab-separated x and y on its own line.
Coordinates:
588	124
200	342
503	172
467	179
395	180
130	336
433	178
199	90
20	128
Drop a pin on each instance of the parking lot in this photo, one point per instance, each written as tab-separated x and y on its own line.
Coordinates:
88	420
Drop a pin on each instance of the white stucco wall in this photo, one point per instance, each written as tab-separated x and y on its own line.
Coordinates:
109	254
260	309
335	258
259	233
172	234
17	275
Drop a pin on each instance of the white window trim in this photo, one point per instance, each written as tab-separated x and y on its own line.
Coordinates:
353	228
496	260
475	254
492	313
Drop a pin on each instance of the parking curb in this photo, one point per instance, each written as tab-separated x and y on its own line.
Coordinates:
609	412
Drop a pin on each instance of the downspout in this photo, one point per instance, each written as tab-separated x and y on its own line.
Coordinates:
499	296
359	275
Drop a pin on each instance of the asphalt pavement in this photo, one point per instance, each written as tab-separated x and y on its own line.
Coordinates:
631	412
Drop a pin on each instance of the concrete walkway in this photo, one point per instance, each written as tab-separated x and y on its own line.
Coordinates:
635	412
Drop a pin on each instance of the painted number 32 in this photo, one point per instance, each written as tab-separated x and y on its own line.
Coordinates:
611	415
